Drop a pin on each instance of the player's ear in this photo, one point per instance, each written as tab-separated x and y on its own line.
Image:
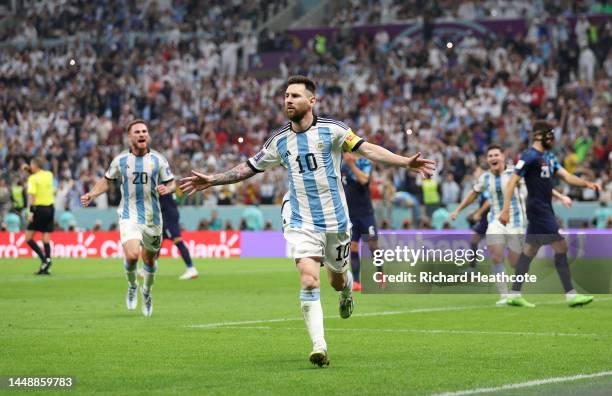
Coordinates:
312	100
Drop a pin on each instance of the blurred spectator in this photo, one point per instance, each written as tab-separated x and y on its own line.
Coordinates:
253	217
67	220
602	215
12	221
440	218
450	190
215	223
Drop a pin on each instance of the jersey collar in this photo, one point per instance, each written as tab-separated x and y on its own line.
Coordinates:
130	151
314	122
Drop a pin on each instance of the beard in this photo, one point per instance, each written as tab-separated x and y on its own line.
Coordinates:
297	115
547	143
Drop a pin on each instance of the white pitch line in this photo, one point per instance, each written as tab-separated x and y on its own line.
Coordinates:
366	314
430	331
554	380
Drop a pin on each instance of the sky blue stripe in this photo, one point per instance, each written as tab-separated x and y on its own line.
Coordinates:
498	189
486	188
296	219
140	207
125	187
310	295
310	185
332	179
154	195
516	209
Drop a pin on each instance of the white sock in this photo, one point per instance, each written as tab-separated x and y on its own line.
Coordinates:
130	273
313	315
348	288
515	293
570	294
502	287
149	277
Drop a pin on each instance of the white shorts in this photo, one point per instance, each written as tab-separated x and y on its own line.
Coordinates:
333	248
149	236
511	237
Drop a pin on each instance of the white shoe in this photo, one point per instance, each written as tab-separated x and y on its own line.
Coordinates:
147	303
131	300
319	356
191	273
502	302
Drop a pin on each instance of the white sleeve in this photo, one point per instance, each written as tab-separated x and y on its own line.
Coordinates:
266	158
345	139
165	173
113	172
479	185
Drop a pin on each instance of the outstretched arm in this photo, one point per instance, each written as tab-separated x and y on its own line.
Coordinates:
471	197
100	188
199	181
504	216
375	153
576	181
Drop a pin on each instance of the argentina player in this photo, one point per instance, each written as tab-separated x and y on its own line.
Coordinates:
310	148
538	165
144	174
492	183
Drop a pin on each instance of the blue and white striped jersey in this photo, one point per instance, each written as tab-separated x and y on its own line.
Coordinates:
495	185
139	178
312	159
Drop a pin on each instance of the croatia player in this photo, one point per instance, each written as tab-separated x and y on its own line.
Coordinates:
356	174
144	175
319	229
537	165
172	231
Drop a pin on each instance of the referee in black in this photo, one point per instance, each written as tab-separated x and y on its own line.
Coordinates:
40	218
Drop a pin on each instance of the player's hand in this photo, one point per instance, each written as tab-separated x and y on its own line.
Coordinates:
504	216
197	182
593	186
425	167
454	215
349	158
86	199
162	189
566	201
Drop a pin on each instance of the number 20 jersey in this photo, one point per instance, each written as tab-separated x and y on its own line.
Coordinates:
139	177
312	159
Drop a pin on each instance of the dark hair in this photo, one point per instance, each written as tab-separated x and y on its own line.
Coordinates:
134	122
494	147
541	126
308	83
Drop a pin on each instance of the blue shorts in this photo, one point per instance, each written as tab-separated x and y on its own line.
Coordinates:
172	230
364	225
481	227
543	232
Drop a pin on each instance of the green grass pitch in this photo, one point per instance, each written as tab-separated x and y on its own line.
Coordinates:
238	330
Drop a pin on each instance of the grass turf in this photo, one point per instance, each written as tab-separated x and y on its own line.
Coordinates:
75	323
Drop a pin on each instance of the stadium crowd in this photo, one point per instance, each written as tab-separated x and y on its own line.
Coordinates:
445	97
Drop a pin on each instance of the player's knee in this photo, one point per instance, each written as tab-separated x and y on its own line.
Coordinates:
337	282
497	257
309	281
131	256
354	247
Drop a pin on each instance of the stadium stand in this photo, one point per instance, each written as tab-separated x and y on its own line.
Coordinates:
70	80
